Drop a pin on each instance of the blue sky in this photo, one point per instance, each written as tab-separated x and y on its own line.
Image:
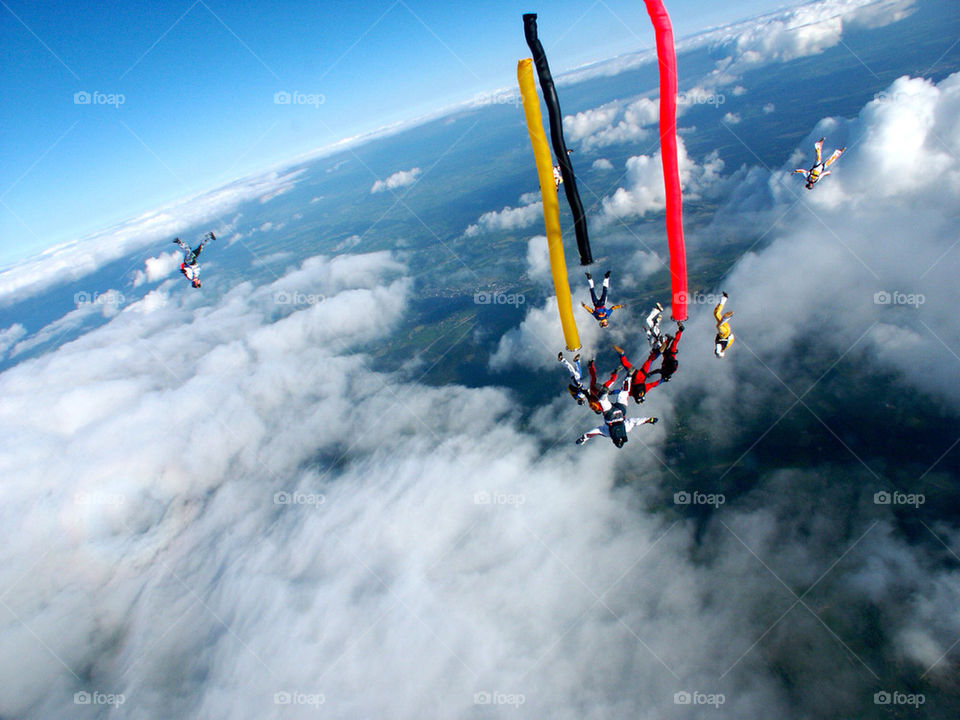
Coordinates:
198	81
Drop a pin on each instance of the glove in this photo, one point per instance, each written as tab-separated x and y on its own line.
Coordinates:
581	440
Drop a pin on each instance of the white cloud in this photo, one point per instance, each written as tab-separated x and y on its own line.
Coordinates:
509	218
399	179
645	192
731	118
538	259
586	123
157	268
602	164
599	127
10	336
769	108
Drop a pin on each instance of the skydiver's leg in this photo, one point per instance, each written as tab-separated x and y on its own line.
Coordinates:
182	244
603	293
718	310
593	295
653	318
819	147
574	371
613	378
645	369
833	158
676	340
592	369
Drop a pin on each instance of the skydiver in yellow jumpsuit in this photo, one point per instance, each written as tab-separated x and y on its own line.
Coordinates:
819	169
725	336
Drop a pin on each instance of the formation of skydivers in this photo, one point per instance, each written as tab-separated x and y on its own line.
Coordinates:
611	398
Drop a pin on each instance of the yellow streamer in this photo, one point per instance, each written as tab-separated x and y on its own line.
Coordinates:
551	209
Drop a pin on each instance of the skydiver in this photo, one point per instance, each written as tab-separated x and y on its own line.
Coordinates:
576	389
639	385
724	337
557	175
615	425
819	170
600	311
582	394
654	333
669	364
189	266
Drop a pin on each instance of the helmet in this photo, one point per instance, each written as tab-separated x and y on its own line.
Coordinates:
603	323
618	433
809	185
196	282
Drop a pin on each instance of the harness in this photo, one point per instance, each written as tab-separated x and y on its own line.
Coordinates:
616	414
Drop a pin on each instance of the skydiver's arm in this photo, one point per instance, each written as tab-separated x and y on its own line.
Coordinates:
585	307
825	173
630	423
598	431
802	171
718	310
617	307
727	315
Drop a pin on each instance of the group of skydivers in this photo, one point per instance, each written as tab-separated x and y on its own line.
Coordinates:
602	399
612	404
